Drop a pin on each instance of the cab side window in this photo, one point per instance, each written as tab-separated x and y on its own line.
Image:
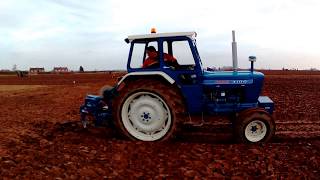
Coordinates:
182	52
137	55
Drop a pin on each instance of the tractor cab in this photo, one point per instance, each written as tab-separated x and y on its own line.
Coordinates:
180	46
187	71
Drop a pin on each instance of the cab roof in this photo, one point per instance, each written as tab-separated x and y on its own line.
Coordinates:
191	35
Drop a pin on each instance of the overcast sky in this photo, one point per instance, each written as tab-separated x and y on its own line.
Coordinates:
48	33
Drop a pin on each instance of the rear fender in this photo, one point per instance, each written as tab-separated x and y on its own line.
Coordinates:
137	75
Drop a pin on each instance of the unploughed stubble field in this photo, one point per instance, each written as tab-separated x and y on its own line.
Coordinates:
40	135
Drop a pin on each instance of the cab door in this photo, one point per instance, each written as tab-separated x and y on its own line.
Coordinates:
188	73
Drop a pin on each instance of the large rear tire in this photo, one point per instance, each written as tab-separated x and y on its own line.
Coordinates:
254	126
148	110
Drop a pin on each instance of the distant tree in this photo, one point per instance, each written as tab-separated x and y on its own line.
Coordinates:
81	69
14	67
21	74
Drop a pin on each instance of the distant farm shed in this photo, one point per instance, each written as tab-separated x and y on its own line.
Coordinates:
36	70
60	69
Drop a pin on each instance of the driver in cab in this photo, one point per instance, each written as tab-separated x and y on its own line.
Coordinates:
152	61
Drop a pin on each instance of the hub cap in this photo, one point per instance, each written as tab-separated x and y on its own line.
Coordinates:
255	131
146	116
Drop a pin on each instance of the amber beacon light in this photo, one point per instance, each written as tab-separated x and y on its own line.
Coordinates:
153	30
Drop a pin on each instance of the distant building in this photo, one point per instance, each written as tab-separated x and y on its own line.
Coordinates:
60	69
36	70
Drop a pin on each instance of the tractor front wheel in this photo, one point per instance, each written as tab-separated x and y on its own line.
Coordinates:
254	126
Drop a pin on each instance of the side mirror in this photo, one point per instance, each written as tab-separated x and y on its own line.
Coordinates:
126	40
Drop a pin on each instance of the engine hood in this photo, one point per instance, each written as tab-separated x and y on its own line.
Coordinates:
247	82
232	77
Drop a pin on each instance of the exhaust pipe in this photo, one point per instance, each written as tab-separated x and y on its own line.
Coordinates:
234	52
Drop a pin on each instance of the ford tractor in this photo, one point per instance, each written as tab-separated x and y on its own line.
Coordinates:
150	103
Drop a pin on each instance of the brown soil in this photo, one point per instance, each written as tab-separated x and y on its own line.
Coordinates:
41	137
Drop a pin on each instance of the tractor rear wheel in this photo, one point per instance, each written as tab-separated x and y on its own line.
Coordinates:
148	110
254	126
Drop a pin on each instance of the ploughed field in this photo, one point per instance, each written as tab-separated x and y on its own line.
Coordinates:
41	137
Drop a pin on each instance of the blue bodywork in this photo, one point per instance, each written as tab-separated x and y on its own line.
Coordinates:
96	107
210	92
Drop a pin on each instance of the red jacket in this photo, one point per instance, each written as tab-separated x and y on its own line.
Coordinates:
152	61
149	62
168	58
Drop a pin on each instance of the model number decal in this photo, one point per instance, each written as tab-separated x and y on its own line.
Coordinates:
248	81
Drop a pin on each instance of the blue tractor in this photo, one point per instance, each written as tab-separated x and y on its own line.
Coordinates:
151	103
